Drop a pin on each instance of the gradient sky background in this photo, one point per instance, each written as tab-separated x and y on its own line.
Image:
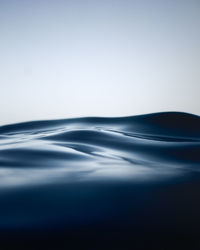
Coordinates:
73	58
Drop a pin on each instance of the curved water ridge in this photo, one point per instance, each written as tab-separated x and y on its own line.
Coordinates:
139	148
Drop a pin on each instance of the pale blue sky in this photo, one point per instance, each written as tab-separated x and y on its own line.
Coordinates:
73	58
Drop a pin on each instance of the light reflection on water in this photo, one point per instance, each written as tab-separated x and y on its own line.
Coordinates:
65	165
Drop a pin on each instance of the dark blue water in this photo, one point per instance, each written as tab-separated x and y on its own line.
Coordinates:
101	183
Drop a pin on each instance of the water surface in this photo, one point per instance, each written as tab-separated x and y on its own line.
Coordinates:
105	182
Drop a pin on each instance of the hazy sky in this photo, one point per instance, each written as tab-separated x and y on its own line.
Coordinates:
73	58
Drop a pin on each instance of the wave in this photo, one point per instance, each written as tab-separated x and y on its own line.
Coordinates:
137	147
49	169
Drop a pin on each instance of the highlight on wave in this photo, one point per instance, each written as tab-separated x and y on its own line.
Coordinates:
138	148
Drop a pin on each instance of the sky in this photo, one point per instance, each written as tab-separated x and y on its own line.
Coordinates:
74	58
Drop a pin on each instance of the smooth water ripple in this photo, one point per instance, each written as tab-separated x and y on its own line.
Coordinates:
87	149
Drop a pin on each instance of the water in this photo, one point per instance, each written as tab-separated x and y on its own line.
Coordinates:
101	183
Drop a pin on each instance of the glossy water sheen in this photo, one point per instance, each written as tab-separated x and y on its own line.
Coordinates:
101	179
